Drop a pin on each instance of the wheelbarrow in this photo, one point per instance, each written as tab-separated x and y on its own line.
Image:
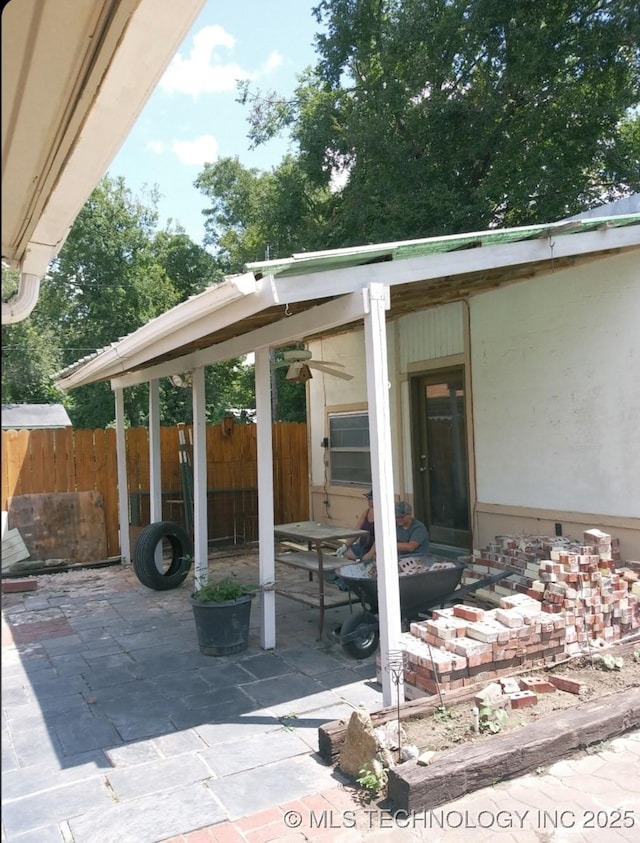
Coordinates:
437	584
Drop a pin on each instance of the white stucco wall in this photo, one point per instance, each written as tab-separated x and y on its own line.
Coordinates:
556	390
417	338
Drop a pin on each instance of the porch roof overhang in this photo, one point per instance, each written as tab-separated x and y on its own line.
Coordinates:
313	294
75	76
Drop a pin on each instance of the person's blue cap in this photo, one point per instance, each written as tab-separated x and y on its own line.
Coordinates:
402	509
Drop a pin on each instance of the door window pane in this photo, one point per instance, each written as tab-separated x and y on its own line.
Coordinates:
446	436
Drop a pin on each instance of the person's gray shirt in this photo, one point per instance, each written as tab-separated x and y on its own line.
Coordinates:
415	532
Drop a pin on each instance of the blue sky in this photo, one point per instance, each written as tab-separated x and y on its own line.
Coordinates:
192	116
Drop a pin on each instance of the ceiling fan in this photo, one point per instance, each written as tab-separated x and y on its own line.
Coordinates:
181	380
300	363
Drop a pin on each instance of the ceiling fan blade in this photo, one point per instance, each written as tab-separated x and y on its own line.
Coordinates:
324	368
329	363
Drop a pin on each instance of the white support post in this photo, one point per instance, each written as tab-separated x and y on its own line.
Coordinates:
375	336
267	563
200	525
123	493
155	472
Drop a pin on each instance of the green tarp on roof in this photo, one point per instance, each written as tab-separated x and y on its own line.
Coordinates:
303	263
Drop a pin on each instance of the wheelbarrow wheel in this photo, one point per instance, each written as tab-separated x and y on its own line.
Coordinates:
174	571
360	646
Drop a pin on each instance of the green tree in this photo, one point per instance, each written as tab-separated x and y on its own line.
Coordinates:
190	267
30	356
453	115
256	216
105	283
114	273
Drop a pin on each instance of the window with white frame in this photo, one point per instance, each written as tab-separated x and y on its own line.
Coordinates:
349	449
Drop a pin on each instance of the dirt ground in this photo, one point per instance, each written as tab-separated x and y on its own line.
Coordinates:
452	726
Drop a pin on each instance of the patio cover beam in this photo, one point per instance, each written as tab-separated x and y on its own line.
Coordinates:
231	301
341	311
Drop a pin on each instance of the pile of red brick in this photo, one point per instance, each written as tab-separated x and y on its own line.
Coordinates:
598	602
569	597
523	555
463	645
522	692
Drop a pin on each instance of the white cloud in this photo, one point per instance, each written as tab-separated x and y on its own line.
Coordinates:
204	70
273	62
198	151
157	147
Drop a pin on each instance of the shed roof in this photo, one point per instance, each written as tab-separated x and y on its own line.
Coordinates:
32	416
306	262
312	294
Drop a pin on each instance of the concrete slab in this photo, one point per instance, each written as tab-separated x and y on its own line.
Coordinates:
238	733
87	732
254	790
157	776
234	756
280	691
309	661
52	806
150	818
37	779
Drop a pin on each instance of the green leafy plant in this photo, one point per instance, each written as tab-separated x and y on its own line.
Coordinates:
373	780
608	662
442	713
287	721
492	719
225	589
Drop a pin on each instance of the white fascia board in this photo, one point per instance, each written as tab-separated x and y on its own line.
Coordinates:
152	37
335	282
323	317
200	326
188	320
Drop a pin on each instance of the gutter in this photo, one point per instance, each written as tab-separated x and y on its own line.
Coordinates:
112	360
20	306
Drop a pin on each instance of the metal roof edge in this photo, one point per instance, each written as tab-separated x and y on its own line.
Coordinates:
449	242
209	301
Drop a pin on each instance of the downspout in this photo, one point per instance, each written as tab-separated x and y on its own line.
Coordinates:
20	306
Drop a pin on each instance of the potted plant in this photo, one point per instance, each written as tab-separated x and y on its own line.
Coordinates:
222	612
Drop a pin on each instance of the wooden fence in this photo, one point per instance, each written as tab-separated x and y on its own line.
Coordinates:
66	460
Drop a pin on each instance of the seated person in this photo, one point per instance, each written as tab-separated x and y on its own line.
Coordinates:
361	550
412	535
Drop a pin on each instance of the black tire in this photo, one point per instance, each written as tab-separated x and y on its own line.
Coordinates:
365	644
144	556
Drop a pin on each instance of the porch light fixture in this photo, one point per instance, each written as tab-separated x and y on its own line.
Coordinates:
299	373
